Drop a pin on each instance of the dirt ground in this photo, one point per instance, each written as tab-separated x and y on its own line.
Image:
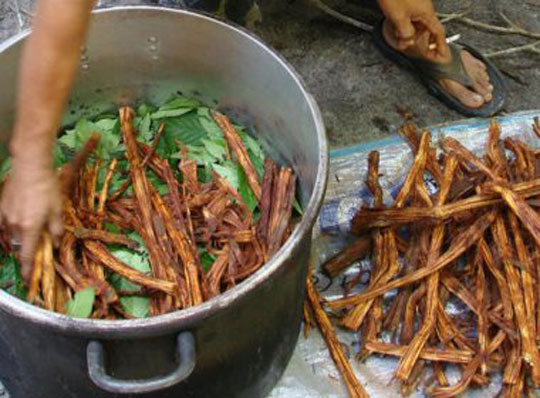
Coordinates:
359	91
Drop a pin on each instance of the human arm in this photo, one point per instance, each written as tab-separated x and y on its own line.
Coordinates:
31	200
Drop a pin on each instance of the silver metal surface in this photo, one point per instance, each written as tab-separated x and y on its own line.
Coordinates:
199	56
95	354
148	53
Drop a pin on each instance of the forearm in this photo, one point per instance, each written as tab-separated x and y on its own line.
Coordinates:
47	70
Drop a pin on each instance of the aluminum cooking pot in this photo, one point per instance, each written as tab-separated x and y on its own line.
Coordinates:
237	344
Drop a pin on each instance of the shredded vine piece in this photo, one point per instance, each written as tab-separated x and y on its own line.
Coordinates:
472	243
164	208
354	387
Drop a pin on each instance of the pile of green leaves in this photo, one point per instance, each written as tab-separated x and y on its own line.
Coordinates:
186	122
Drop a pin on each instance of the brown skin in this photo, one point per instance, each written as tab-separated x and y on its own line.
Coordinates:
412	25
31	200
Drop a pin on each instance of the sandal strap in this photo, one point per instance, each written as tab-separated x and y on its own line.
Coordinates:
455	70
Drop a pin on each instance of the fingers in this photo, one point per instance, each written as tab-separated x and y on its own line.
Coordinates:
55	223
29	240
436	28
405	33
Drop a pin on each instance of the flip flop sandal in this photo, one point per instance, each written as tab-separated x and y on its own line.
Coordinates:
430	73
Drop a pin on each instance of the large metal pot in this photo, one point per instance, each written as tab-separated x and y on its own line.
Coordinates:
238	344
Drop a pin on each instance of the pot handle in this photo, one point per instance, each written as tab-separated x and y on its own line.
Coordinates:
186	363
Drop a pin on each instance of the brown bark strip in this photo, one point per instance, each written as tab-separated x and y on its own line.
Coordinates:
70	170
102	255
527	282
384	264
216	273
448	331
457	247
527	215
487	256
120	191
354	318
407	330
408	361
373	218
183	248
155	143
141	189
410	133
103	236
451	145
466	378
265	206
92	176
483	323
280	215
417	170
104	191
353	252
427	353
236	144
530	350
62	295
536	126
334	346
49	276
35	278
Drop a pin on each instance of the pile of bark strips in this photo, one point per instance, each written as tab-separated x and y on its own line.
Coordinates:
172	227
474	243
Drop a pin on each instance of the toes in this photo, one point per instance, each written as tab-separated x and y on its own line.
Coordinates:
467	97
477	70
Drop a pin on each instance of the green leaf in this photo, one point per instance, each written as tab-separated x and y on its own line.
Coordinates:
207	122
135	260
298	207
110	227
145	131
197	153
145	109
77	137
254	150
207	259
253	146
216	148
116	182
59	157
157	182
178	102
185	129
245	191
10	277
5	167
175	107
142	245
80	306
106	125
170	113
138	307
229	171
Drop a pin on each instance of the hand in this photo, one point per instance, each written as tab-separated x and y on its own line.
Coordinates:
31	202
411	20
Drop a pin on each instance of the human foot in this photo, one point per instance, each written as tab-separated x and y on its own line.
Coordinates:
474	96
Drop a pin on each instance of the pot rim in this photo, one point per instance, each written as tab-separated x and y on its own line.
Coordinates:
185	318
